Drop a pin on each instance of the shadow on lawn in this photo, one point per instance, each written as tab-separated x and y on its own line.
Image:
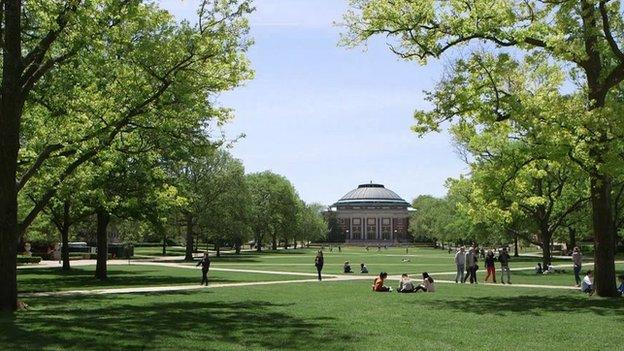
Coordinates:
101	324
47	279
534	305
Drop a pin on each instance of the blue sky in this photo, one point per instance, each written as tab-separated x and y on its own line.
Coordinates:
327	117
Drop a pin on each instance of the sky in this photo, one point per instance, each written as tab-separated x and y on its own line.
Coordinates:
327	117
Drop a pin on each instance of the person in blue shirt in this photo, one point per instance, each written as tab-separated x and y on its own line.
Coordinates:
621	286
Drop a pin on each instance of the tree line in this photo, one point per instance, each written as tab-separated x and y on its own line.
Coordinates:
533	97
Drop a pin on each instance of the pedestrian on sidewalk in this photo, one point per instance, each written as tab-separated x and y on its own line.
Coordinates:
318	263
577	259
471	266
460	262
205	267
490	266
504	258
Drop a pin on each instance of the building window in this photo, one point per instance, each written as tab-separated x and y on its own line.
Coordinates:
386	229
371	228
356	230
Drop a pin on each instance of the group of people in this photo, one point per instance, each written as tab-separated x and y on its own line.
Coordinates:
405	285
346	268
467	265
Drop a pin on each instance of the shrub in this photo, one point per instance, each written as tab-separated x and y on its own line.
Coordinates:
26	260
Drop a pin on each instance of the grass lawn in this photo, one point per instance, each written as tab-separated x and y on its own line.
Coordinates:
327	316
81	277
390	260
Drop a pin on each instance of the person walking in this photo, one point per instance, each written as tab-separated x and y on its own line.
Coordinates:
504	258
577	259
471	266
205	267
490	266
318	262
460	262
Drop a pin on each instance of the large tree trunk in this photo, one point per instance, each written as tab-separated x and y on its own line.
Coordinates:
274	242
189	238
65	236
217	247
604	233
546	237
571	239
164	246
11	104
516	252
103	218
285	244
65	248
259	243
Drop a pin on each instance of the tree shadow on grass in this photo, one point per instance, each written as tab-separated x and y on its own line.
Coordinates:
535	305
170	322
47	279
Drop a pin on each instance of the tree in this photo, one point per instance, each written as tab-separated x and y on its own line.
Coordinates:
225	218
310	224
514	163
170	68
273	207
577	33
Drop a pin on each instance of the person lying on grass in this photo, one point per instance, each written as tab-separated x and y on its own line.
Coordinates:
406	285
587	285
347	267
378	285
363	268
427	284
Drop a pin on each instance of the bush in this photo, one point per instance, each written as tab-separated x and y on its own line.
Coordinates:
26	260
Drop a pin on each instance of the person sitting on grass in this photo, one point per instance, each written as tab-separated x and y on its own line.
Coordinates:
620	288
347	267
406	260
427	284
587	285
406	285
549	269
538	269
363	268
378	285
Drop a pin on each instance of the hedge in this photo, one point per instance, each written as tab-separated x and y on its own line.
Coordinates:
26	259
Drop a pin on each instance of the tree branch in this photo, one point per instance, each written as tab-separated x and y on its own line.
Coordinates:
43	155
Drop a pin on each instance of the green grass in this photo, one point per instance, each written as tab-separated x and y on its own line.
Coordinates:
311	316
82	277
390	260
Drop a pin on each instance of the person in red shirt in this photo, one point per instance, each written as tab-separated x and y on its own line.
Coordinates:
378	285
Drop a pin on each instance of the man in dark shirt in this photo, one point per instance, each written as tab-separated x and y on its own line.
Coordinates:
205	264
503	258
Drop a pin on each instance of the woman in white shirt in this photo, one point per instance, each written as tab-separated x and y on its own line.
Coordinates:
427	284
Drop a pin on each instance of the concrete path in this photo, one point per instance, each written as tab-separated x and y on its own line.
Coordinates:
156	289
327	278
78	263
173	288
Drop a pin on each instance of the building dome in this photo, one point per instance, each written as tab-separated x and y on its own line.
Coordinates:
371	194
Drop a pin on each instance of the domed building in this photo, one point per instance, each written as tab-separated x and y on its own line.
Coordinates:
372	213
